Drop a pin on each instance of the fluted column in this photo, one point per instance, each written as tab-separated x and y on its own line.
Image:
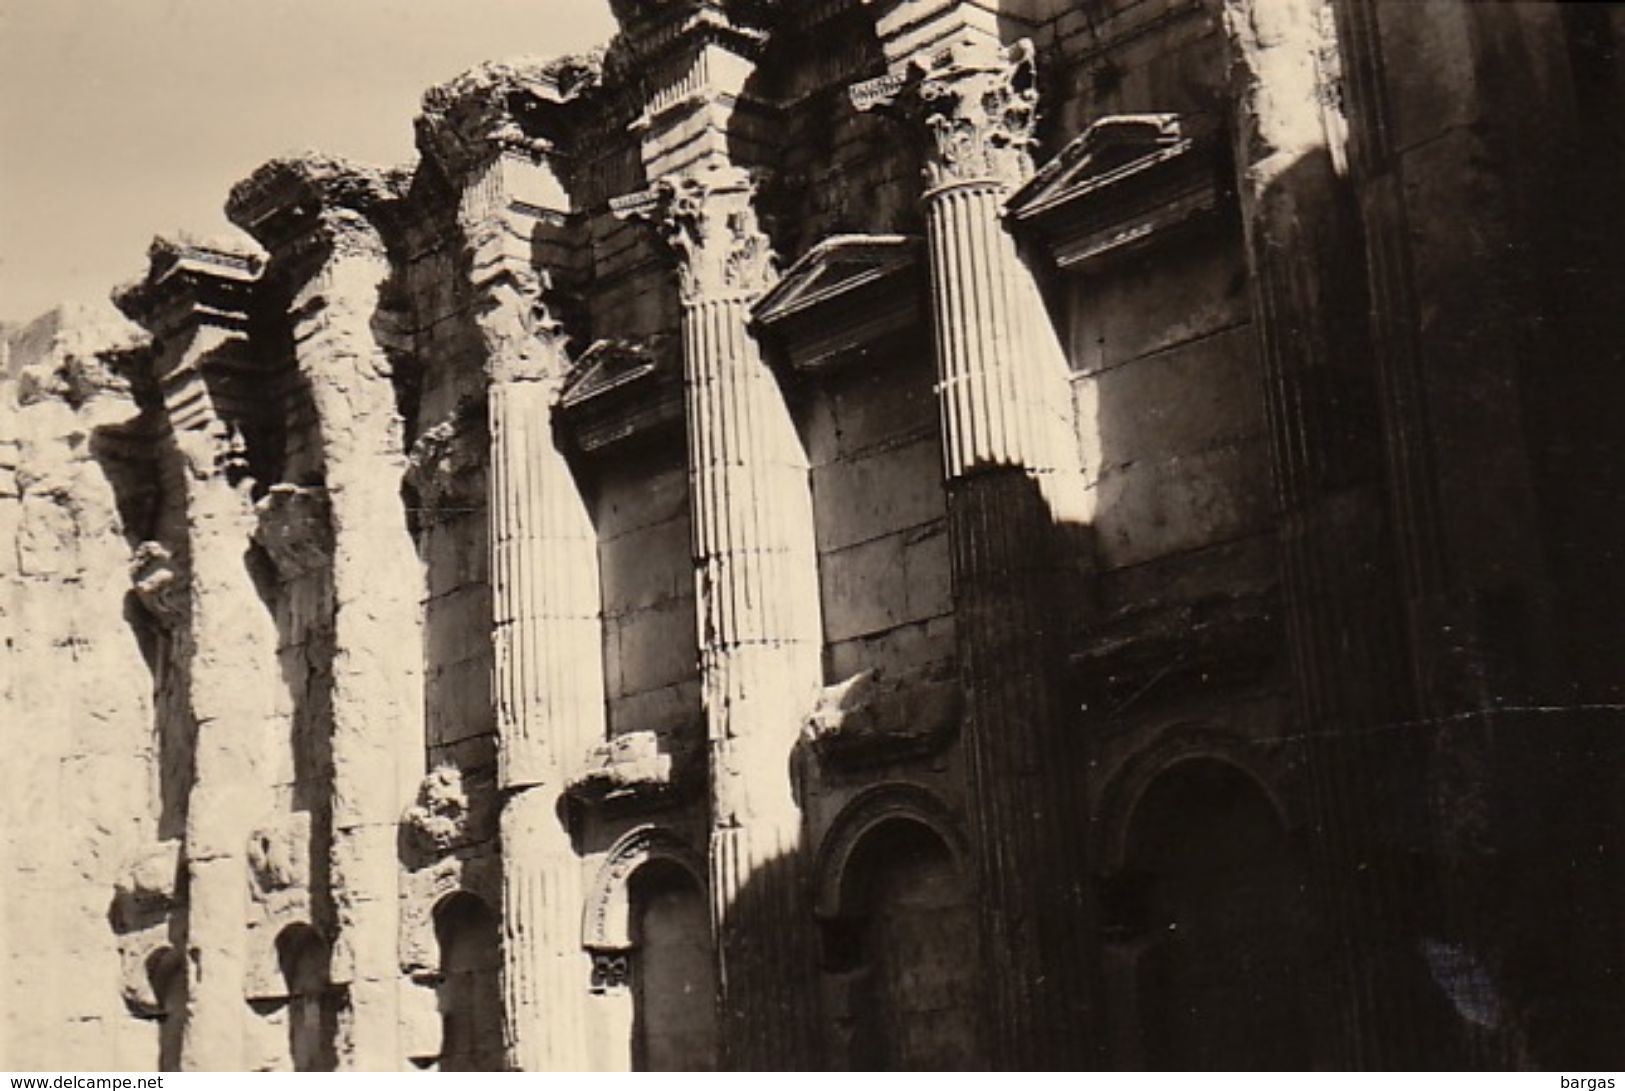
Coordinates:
1013	486
759	627
195	302
547	615
328	261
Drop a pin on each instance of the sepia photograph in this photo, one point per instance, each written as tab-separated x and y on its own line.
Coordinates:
592	536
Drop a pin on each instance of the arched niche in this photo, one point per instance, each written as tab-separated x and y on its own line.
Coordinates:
647	927
469	993
899	938
165	971
1205	917
303	958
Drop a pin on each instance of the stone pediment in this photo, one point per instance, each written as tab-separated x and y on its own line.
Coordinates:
620	389
843	296
1127	179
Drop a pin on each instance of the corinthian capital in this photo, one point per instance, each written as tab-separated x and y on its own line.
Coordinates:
978	102
709	222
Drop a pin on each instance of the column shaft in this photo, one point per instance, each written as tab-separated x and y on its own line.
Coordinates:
550	711
760	634
1011	483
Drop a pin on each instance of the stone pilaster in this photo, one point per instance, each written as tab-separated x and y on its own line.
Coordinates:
1013	488
328	264
1344	616
547	604
760	632
195	301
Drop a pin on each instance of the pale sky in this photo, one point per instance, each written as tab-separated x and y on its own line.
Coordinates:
121	119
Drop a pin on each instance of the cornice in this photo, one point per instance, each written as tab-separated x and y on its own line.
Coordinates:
190	281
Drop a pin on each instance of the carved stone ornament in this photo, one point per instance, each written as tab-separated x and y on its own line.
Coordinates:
709	222
279	857
159	583
294	528
446	469
611	970
977	100
439	821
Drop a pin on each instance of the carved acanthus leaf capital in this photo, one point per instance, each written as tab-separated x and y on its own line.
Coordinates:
977	101
709	222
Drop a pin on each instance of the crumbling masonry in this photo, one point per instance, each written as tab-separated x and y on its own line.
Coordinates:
852	533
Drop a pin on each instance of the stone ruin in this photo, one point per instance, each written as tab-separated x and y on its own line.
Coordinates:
851	534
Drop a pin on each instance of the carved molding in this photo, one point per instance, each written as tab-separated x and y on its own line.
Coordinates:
844	298
621	390
160	584
605	923
978	103
709	224
295	529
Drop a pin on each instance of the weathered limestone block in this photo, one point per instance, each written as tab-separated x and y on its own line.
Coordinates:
871	717
295	528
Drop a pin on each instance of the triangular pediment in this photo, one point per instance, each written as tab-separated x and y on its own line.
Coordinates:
835	267
607	365
1109	150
